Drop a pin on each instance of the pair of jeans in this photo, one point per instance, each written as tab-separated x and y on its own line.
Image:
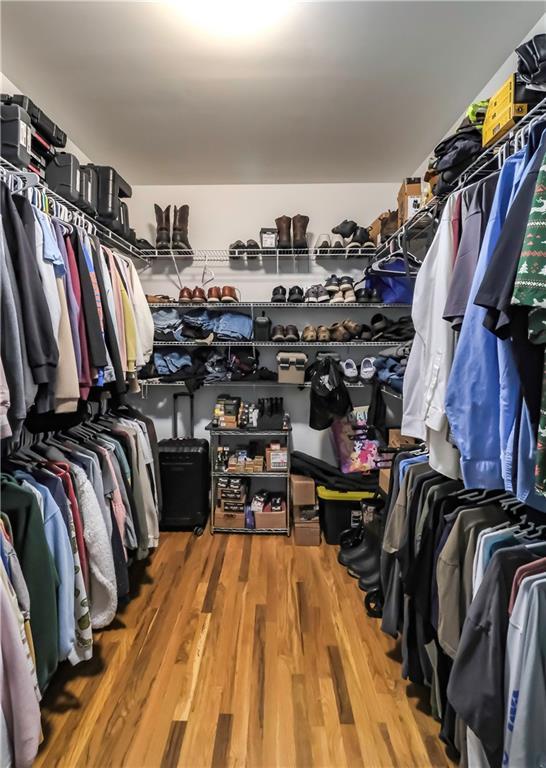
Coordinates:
171	362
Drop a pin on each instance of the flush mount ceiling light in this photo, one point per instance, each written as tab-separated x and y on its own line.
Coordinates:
233	18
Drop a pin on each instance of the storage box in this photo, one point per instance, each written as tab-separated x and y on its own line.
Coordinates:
302	490
291	367
228	519
340	510
272	520
276	459
306	532
409	198
384	479
375	229
510	102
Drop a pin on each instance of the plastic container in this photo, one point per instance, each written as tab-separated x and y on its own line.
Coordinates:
185	483
262	328
340	510
16	135
63	176
111	187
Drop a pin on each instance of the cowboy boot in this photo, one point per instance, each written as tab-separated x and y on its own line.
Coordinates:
299	231
284	241
163	224
180	228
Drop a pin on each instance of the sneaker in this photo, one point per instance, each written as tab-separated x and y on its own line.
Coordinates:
332	284
338	246
323	297
337	298
367	369
295	295
349	370
346	283
237	249
279	295
349	296
252	249
311	295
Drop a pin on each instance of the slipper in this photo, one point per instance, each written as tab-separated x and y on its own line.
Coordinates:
366	333
349	370
379	323
323	334
367	369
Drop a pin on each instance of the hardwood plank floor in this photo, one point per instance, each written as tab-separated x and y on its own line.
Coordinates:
239	651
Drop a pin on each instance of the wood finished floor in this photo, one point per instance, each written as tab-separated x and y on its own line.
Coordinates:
240	651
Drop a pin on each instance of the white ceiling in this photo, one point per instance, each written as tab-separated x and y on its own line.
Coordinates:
337	92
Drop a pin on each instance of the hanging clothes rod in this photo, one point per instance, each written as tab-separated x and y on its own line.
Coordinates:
71	213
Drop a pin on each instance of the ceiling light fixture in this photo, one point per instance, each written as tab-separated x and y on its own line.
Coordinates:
233	18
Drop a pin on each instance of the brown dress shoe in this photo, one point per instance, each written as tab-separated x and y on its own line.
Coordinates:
229	295
198	296
185	295
214	294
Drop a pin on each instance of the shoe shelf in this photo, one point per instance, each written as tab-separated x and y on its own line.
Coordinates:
277	305
247	431
253	531
144	383
249	474
280	344
224	256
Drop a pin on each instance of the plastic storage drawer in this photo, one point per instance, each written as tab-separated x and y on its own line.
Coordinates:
16	135
340	510
185	483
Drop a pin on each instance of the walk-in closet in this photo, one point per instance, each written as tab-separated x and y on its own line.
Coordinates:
272	383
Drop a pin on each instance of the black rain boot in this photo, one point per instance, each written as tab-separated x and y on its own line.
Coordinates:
163	227
345	229
180	228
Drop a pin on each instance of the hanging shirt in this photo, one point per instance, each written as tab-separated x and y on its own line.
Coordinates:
475	388
431	355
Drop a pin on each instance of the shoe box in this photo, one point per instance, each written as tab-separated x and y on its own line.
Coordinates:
410	196
396	440
306	526
302	491
291	367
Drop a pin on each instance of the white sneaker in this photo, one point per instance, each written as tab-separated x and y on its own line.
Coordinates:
367	369
323	244
349	370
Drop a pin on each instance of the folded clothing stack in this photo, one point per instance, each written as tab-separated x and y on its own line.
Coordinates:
171	325
390	366
206	365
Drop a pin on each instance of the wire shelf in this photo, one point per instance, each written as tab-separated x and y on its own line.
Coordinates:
246	431
224	255
253	531
279	344
284	475
275	305
252	383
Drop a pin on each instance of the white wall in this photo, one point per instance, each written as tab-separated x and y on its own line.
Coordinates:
220	215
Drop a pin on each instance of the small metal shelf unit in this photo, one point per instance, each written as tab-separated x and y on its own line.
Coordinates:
216	433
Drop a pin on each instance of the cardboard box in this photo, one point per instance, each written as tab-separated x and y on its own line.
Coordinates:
307	533
384	479
228	519
302	491
397	439
375	229
273	520
409	198
276	459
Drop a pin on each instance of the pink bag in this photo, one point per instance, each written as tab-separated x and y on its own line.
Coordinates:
354	452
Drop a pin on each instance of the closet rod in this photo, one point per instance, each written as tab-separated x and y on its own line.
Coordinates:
105	235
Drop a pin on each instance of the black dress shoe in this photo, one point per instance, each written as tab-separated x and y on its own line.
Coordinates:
279	295
345	229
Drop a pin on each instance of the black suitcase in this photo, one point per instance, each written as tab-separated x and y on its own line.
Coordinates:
112	186
185	483
89	183
39	120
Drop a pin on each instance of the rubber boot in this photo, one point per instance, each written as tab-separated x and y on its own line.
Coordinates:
163	227
180	228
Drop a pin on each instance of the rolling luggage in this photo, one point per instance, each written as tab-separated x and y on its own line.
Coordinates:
185	483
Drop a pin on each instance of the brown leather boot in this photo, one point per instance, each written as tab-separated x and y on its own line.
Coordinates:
284	240
299	232
180	228
163	227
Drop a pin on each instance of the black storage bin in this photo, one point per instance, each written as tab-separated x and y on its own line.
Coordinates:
340	510
46	127
16	135
88	189
112	186
63	176
185	483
